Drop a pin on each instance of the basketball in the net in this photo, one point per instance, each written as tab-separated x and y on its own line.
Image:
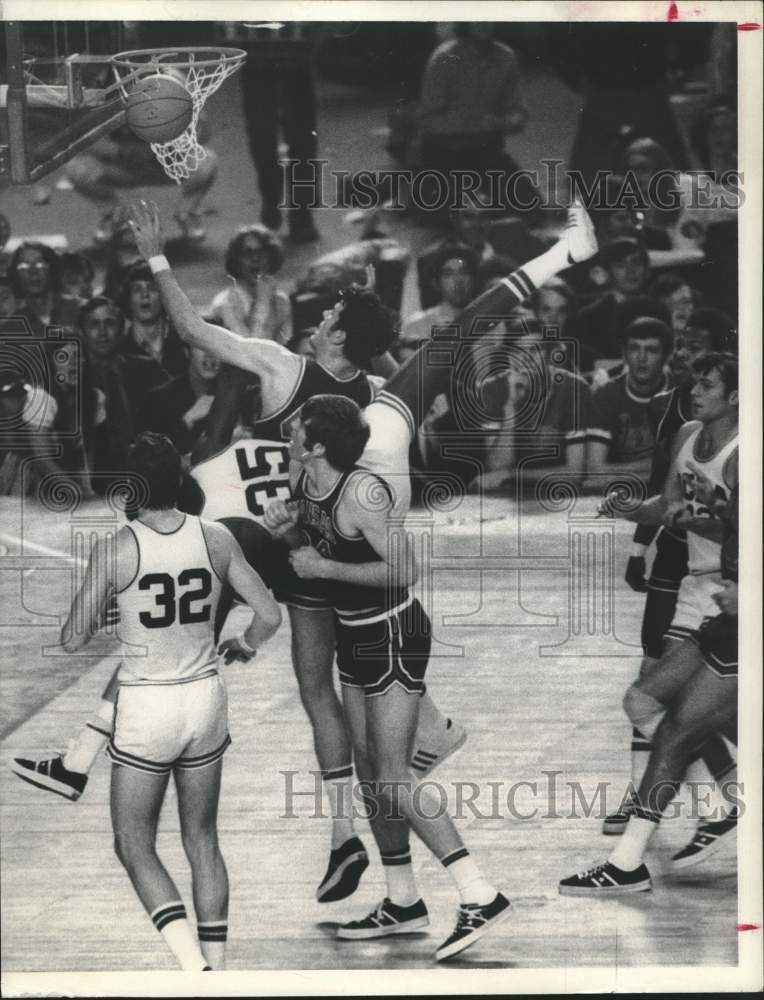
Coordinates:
159	108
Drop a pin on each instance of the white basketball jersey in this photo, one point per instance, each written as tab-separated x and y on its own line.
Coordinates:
242	480
169	607
705	555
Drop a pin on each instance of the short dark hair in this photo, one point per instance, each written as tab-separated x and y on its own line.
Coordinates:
722	361
339	425
50	257
97	302
451	250
154	459
668	283
647	327
270	243
368	325
639	306
76	262
139	270
720	328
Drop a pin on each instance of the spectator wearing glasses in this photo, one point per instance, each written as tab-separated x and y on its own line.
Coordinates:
253	305
35	276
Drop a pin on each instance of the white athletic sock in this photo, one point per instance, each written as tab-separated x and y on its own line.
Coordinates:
707	801
633	842
212	936
399	875
91	739
641	748
171	922
338	785
472	885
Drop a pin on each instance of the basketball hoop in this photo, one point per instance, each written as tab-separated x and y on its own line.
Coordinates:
201	70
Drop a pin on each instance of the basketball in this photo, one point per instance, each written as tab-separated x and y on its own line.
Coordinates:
159	108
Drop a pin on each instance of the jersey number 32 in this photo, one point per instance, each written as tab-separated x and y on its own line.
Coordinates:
171	607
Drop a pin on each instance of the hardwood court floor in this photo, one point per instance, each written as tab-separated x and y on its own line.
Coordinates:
67	905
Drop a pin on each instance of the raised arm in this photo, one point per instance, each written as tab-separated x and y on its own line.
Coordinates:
264	357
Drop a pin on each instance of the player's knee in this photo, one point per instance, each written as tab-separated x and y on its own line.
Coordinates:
132	851
200	843
644	711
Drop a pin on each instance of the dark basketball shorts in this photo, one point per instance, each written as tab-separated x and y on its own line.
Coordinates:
289	588
387	649
717	640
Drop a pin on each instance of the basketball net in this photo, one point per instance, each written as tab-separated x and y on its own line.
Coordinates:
202	71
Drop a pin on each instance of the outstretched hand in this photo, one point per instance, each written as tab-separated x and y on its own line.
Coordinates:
143	219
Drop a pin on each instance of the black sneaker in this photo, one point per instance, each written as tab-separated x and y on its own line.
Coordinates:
346	866
614	824
388	918
51	775
606	880
708	839
473	921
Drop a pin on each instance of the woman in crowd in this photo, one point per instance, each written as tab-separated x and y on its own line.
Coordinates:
253	305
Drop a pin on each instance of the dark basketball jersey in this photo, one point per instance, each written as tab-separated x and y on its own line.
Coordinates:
314	380
318	521
621	419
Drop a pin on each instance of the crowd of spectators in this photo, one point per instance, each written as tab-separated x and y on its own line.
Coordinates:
570	375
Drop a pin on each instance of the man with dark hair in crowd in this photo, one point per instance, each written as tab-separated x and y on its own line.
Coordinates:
455	281
597	325
122	383
621	439
148	332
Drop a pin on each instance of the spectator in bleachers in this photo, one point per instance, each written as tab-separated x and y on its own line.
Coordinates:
616	216
455	280
8	301
148	332
679	298
253	305
645	159
122	383
469	103
537	409
35	275
628	267
121	252
77	275
621	437
179	408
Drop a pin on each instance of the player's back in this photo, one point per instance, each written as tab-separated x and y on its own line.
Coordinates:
167	610
242	479
314	380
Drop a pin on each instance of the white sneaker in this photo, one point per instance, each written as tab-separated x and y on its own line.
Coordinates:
580	235
434	748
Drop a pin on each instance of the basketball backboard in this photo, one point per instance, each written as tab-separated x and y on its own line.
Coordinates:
58	93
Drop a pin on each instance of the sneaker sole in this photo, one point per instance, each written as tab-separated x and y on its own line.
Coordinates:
444	756
701	855
361	935
350	871
458	946
615	890
47	784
